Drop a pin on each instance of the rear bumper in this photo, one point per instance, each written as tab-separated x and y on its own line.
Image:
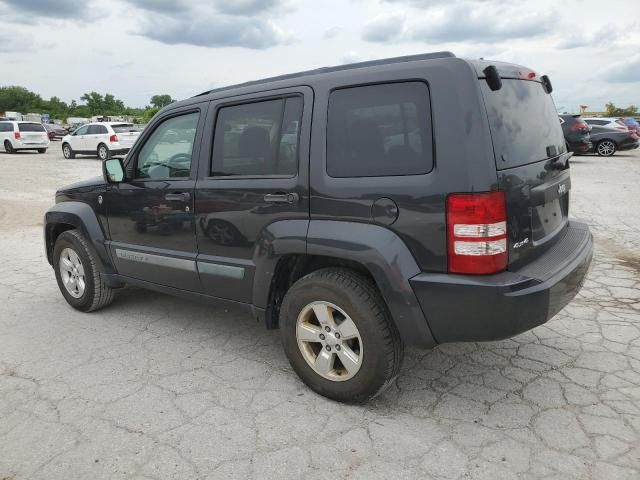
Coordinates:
119	150
630	145
580	147
483	308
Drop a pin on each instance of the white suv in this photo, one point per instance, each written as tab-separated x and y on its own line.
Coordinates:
23	136
102	139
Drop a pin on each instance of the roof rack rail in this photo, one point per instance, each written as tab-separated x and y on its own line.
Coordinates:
338	68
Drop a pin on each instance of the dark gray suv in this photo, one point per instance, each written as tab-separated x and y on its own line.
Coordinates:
410	201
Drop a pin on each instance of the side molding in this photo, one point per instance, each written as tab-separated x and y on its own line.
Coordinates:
390	262
82	217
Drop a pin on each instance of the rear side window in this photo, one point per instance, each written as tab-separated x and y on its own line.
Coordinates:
596	122
97	130
6	127
379	130
258	139
30	127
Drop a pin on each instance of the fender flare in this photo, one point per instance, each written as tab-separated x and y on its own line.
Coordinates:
81	216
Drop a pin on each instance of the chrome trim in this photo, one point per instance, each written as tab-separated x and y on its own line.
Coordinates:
159	260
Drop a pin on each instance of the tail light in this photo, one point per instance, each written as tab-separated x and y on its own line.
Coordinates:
16	135
113	138
477	233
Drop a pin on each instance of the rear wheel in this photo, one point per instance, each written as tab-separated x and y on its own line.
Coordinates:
77	273
606	148
103	152
8	147
42	150
68	152
338	335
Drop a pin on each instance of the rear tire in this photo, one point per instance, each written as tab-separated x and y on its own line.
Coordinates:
42	150
68	152
8	147
606	148
79	281
103	152
355	308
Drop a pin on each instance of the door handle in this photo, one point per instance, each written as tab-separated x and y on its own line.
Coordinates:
177	197
289	198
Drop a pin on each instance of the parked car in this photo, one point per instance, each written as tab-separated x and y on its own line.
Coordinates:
632	124
16	136
100	139
55	131
610	135
358	236
576	133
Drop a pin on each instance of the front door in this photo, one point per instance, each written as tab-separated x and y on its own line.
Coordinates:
150	215
78	139
255	175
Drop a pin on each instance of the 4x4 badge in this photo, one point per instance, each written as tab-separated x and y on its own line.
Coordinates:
519	244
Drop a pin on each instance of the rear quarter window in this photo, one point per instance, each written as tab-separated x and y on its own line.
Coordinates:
31	127
379	130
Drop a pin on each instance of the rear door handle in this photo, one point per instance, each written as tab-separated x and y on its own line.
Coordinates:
177	197
290	198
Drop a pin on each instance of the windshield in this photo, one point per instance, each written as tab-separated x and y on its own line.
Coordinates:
523	122
30	127
124	127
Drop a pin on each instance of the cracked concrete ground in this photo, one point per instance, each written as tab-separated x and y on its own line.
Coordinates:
154	387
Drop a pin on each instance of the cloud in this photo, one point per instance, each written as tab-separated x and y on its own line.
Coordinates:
627	72
333	32
14	42
384	29
30	11
460	23
205	23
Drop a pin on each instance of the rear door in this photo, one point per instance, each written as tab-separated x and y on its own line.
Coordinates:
532	164
255	173
96	135
126	133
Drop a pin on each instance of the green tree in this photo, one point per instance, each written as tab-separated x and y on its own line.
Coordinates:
613	111
94	102
19	99
149	113
160	101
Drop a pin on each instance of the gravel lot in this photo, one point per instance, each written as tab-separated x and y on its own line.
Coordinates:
155	387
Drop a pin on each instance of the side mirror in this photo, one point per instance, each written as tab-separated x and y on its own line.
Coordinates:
113	170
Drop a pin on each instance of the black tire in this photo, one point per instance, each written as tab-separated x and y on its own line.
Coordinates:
8	147
606	148
359	298
68	152
96	293
103	152
42	150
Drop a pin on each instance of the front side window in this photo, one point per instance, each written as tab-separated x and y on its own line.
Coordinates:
82	130
167	152
258	139
379	130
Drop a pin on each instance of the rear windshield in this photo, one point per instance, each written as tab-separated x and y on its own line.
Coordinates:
523	122
30	127
124	127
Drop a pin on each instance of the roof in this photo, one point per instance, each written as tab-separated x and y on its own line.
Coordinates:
338	68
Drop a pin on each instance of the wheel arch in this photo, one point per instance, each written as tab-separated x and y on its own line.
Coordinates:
372	250
76	215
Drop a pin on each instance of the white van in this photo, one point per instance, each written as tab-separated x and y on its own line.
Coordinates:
16	136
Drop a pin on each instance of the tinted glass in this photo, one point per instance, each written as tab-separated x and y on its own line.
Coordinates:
379	130
82	130
30	127
596	122
97	130
6	127
123	127
258	139
167	152
523	122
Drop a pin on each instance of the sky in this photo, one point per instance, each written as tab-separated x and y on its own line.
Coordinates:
137	48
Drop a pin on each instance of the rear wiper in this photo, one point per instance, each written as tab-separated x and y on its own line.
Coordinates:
561	162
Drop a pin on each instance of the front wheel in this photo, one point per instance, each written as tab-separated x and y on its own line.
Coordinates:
42	150
8	147
67	151
103	152
338	335
606	148
77	273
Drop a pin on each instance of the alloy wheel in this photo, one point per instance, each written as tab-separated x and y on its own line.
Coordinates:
329	341
606	148
72	273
